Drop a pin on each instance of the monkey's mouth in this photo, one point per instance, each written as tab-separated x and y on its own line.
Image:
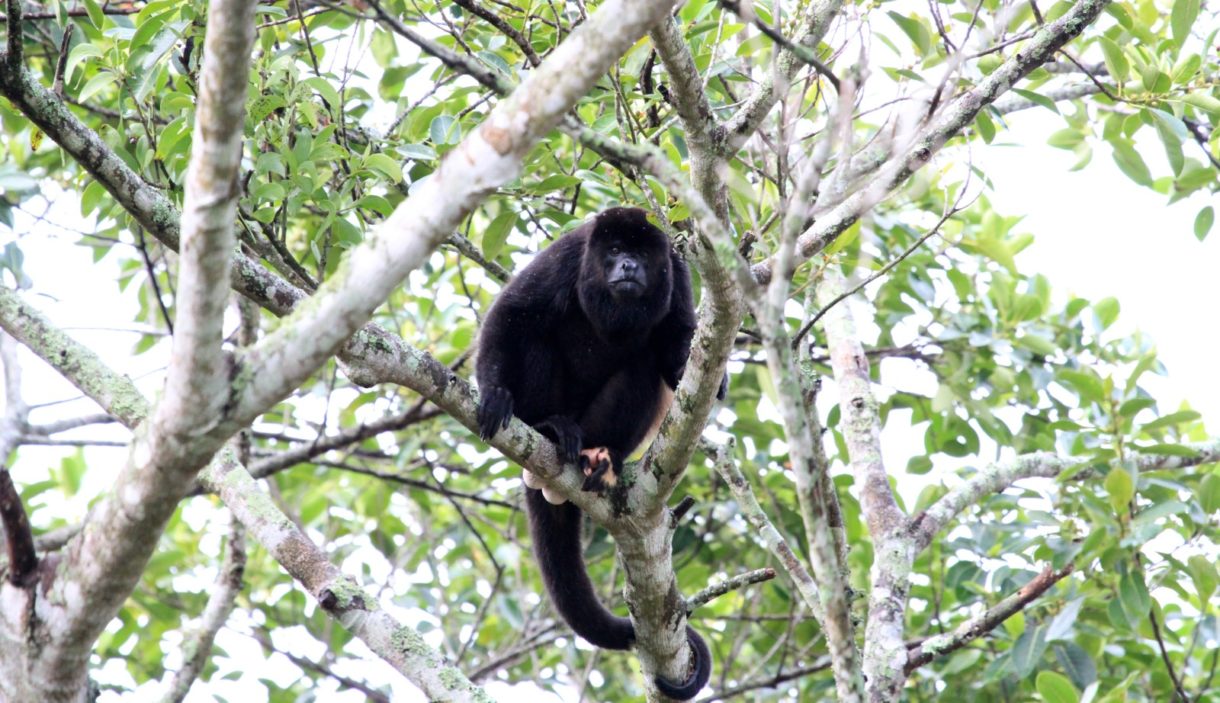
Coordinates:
626	286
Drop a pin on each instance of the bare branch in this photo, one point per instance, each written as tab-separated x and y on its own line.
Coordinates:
18	540
197	378
504	27
772	540
954	117
939	645
805	54
716	590
995	478
815	19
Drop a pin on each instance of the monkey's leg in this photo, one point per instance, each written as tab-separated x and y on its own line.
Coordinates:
617	420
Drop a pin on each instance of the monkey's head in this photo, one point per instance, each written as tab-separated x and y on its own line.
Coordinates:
628	255
626	276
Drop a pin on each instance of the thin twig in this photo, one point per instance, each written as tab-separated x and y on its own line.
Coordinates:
940	645
714	591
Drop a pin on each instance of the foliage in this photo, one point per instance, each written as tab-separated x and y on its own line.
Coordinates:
345	117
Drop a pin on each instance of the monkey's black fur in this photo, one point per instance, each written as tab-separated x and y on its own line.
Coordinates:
585	345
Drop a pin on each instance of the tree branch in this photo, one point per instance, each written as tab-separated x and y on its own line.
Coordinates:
340	596
771	538
952	118
995	478
223	597
197	380
716	590
939	645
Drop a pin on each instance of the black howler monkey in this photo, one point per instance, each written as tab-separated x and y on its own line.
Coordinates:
586	344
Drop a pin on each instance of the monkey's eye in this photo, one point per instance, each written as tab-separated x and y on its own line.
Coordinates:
614	251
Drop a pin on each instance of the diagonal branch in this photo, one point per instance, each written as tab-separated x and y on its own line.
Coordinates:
340	596
954	117
816	19
979	625
487	158
995	478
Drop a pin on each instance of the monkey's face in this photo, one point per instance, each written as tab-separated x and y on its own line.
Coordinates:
625	270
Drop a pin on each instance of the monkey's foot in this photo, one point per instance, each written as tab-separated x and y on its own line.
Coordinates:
598	468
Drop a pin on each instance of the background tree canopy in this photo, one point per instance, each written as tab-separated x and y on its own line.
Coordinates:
305	257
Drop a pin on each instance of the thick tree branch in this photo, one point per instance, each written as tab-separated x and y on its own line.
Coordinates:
703	135
340	596
197	379
979	625
884	651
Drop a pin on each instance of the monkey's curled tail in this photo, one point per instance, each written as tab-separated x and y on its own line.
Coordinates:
555	530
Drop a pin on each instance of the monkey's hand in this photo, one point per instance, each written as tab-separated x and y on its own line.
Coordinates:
566	435
495	410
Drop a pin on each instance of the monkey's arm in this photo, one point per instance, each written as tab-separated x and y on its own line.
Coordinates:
517	329
672	337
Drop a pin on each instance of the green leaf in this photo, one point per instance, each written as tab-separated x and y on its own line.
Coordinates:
1161	510
1086	384
1203	222
553	183
71	470
1203	573
919	465
915	31
1078	665
1037	99
79	53
1131	163
1055	688
1068	138
1167	450
1203	101
1181	18
384	165
444	129
1209	493
1172	132
1107	310
95	85
1121	488
1133	594
1170	420
1027	651
1116	63
326	90
96	16
497	233
985	126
